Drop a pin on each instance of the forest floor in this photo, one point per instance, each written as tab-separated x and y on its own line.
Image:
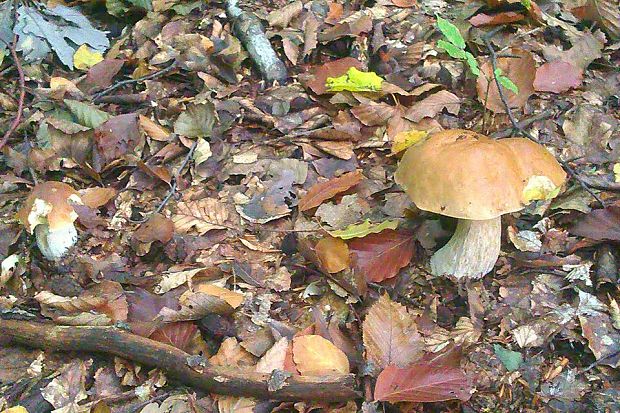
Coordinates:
242	245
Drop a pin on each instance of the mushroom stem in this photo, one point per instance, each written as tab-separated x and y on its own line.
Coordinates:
471	252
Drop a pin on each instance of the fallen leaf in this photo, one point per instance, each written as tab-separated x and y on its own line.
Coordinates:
606	13
521	70
282	16
405	139
433	379
323	191
391	334
330	69
434	104
85	58
354	81
274	358
204	215
506	17
68	389
97	197
157	228
600	224
333	253
231	297
363	229
380	256
557	77
316	356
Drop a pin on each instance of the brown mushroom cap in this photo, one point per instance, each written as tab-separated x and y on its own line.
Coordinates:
49	203
466	175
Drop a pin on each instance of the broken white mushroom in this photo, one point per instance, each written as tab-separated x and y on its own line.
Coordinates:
48	213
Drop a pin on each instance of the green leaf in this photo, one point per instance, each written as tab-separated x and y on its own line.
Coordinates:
527	4
363	229
85	114
451	32
510	359
472	63
354	81
506	82
451	49
185	9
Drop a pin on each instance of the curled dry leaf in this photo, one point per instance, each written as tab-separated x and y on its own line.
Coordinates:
204	215
333	253
316	356
391	334
600	224
521	70
380	256
153	130
231	297
434	104
323	191
157	228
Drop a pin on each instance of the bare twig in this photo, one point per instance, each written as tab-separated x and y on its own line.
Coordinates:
504	133
22	93
515	124
177	363
97	96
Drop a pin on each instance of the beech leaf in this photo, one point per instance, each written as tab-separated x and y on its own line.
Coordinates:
323	191
317	356
380	256
391	334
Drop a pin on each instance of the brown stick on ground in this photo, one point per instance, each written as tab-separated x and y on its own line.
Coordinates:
174	362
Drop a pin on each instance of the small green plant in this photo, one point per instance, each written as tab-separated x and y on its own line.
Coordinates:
454	45
527	4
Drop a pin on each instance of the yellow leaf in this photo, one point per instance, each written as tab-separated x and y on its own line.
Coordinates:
333	254
354	81
231	297
16	409
57	83
539	187
617	172
316	356
85	58
403	140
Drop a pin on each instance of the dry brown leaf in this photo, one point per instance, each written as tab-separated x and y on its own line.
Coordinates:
153	130
520	69
203	215
506	17
391	334
339	149
333	253
157	228
231	297
233	404
316	356
374	114
282	16
557	77
274	358
323	191
434	104
97	197
231	354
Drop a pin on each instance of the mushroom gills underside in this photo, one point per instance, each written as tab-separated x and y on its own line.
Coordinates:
471	252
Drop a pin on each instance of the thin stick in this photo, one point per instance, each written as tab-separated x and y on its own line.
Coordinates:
22	93
515	124
117	85
504	133
176	363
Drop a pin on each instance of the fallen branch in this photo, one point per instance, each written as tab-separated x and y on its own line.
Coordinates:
22	93
249	30
515	124
174	362
505	133
97	96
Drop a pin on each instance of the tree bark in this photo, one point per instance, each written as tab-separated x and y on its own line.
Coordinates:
174	362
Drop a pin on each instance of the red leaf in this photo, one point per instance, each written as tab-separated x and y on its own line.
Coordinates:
430	380
601	224
380	256
331	69
557	77
322	191
495	19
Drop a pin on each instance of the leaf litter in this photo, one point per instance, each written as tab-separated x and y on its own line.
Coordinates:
257	226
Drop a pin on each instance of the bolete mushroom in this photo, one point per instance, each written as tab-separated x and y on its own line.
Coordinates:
465	175
48	214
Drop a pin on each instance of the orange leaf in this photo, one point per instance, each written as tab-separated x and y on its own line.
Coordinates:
157	228
323	191
316	356
333	253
